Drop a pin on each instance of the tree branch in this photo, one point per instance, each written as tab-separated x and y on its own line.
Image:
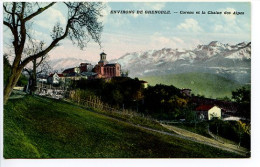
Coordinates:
40	10
13	12
22	12
49	48
23	35
5	9
9	26
28	71
37	64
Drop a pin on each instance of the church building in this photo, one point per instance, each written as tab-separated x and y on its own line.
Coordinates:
105	69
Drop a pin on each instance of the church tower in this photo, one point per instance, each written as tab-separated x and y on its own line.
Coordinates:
103	61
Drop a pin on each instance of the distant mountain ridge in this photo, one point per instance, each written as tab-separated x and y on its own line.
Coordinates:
230	61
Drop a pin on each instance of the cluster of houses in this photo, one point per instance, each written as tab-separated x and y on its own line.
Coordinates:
207	109
103	69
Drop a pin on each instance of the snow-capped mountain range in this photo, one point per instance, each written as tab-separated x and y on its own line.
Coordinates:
231	61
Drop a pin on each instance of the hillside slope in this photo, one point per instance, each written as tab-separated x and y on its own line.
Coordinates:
46	128
209	85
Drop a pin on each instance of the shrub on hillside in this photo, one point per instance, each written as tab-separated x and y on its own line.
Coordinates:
236	131
166	101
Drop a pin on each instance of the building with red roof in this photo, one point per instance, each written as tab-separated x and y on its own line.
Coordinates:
55	78
208	112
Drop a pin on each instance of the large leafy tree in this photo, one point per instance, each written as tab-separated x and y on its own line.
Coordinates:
82	25
243	97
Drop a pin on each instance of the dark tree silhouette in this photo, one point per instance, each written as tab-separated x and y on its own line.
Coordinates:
243	97
82	25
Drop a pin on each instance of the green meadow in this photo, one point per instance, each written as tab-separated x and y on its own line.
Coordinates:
46	128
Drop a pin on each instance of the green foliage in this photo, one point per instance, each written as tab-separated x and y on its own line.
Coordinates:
7	69
117	91
7	73
84	94
243	97
232	130
22	80
46	128
190	116
160	101
209	85
117	96
224	98
164	102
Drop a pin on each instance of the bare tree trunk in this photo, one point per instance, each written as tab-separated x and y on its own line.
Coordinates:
33	85
13	79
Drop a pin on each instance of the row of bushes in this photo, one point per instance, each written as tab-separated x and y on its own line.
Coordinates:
160	101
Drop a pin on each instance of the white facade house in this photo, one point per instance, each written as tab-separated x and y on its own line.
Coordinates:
214	112
55	78
208	112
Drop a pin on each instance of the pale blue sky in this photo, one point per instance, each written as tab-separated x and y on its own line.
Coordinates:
129	33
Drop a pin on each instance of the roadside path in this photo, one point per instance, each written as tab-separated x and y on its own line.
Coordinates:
206	140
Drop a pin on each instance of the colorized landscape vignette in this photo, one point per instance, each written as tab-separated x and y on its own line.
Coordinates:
127	80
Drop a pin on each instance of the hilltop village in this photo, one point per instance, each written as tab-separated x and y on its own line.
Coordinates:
103	69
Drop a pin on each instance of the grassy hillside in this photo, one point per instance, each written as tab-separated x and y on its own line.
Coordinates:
45	128
209	85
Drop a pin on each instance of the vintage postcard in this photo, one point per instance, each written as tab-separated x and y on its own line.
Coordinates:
126	80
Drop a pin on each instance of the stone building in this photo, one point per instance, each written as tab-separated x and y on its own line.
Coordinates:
105	69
